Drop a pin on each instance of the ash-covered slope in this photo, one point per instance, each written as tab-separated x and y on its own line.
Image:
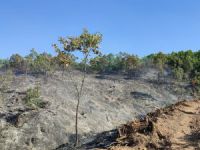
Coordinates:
108	101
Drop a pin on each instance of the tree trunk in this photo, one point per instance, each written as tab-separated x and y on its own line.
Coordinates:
76	123
79	94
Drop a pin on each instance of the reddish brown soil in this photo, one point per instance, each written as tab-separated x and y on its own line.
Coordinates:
176	127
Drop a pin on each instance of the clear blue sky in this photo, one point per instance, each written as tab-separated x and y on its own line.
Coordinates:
135	26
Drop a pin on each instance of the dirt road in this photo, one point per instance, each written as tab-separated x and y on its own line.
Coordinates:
176	127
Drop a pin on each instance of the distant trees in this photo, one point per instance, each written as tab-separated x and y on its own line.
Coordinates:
182	65
17	62
4	63
40	63
33	63
121	62
131	64
43	64
1	63
106	63
178	73
195	73
185	65
159	60
86	44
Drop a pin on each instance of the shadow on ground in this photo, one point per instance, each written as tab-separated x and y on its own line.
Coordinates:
193	140
100	140
142	96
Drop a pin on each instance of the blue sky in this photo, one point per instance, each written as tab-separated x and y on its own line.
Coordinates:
135	26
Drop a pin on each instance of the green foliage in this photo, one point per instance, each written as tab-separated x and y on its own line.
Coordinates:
148	61
30	59
43	64
196	82
86	44
114	63
182	59
33	63
178	73
183	65
4	63
106	63
32	98
62	60
99	64
131	64
159	60
17	62
196	79
39	63
185	60
1	63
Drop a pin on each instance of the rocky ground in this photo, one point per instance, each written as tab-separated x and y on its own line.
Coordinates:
108	102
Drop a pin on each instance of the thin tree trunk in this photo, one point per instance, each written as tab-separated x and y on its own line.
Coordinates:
79	96
77	108
76	123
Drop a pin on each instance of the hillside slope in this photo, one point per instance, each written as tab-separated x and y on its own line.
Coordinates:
108	102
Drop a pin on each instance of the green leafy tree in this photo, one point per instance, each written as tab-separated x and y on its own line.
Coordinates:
98	64
33	98
17	62
121	61
195	82
178	73
86	44
30	58
184	60
1	63
108	63
4	64
131	64
42	63
159	60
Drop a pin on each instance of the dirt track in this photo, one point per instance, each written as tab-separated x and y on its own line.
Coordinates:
176	127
